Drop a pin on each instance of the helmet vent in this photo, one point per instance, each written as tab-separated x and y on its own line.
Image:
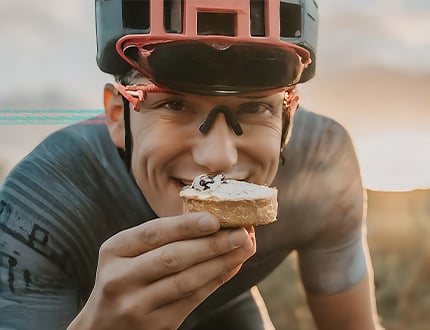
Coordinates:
257	18
130	19
173	16
290	20
221	24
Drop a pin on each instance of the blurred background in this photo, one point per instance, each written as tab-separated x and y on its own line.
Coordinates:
373	76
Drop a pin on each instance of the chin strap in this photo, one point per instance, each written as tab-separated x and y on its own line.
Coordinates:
127	131
290	105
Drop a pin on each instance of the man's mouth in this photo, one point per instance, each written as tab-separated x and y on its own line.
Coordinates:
182	182
185	182
188	182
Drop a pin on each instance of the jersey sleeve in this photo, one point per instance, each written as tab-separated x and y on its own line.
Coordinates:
48	247
331	253
57	206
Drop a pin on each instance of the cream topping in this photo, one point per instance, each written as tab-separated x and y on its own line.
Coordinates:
204	182
218	188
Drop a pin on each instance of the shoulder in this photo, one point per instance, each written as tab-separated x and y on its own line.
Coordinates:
76	171
83	147
321	180
85	136
317	137
320	149
63	162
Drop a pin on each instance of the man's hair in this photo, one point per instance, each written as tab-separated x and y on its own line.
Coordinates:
128	78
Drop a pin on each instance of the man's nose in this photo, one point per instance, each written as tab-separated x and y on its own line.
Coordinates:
216	150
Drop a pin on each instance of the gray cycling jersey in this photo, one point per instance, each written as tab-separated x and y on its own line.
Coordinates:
73	191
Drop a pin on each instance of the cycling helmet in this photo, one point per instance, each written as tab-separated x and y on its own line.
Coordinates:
212	47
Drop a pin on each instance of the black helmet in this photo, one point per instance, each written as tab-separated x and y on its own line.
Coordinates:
209	46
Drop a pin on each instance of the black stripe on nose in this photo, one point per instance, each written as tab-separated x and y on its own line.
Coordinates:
229	117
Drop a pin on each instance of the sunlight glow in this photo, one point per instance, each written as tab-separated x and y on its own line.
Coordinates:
395	161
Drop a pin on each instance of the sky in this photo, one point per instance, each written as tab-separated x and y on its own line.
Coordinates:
373	76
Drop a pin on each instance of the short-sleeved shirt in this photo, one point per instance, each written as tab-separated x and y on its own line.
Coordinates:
73	191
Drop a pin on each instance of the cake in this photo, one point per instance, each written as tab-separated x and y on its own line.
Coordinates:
235	203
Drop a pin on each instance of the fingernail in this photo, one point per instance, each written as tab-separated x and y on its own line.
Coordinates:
238	237
208	223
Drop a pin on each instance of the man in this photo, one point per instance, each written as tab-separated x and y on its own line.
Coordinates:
92	230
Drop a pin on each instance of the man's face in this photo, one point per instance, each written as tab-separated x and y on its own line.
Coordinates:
169	150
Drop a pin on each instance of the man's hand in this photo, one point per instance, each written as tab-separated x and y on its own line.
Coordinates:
153	275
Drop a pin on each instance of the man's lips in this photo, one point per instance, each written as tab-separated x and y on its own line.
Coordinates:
187	182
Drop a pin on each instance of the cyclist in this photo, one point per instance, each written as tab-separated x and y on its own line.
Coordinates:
92	233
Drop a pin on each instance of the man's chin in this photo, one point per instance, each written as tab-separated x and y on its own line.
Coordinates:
169	203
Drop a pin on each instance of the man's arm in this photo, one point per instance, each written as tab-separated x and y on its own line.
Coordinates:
352	309
334	259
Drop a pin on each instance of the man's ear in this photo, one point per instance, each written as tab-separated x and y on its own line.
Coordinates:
291	103
114	109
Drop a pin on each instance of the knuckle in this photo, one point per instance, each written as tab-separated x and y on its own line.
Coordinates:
229	265
247	250
107	251
106	248
169	260
130	316
253	249
228	275
126	309
236	259
110	284
184	227
183	284
150	234
213	246
250	249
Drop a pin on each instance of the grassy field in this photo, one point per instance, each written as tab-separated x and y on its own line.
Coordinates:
398	234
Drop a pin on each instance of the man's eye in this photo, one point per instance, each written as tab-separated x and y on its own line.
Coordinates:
254	108
175	105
